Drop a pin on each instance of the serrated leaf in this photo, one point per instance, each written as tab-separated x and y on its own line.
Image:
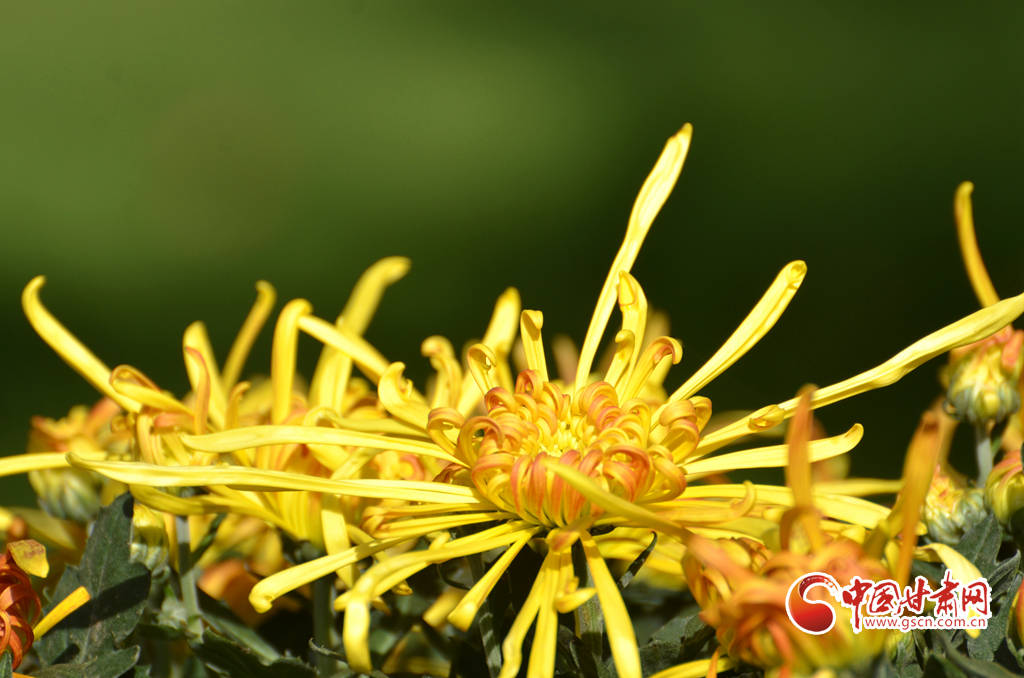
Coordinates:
108	665
980	544
659	655
683	625
905	659
227	657
221	619
118	587
1002	575
988	641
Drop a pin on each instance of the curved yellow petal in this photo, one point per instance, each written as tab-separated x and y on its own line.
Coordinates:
399	528
134	473
761	318
30	556
283	351
977	325
72	602
615	505
620	629
254	321
269	589
633	306
67	346
976	272
335	531
462	616
483	368
963	570
653	194
390	572
773	456
545	636
261	436
851	509
512	646
859	487
334	368
398	397
35	461
448	387
363	354
530	324
695	669
501	332
197	339
369	289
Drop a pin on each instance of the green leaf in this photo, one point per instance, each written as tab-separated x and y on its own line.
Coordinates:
118	587
988	641
108	665
1000	577
637	563
5	665
970	667
980	544
227	657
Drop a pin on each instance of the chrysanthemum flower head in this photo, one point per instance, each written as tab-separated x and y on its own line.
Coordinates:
565	460
742	586
548	462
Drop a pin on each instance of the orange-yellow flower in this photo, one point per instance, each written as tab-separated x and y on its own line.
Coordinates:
546	460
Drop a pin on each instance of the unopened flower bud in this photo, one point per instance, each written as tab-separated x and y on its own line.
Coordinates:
950	507
1005	487
68	493
983	378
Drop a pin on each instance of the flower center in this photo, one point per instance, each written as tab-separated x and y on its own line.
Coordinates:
511	449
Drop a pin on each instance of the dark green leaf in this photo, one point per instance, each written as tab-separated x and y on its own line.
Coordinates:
971	667
108	665
220	618
684	625
941	667
5	665
118	586
227	657
659	655
980	544
905	660
988	641
637	563
1001	576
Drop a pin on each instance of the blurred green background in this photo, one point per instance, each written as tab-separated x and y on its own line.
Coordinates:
158	158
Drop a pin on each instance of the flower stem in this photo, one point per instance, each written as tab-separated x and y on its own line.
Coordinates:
983	450
187	577
325	631
589	616
485	621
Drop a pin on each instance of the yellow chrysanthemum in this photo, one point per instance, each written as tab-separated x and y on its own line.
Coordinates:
546	459
151	426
